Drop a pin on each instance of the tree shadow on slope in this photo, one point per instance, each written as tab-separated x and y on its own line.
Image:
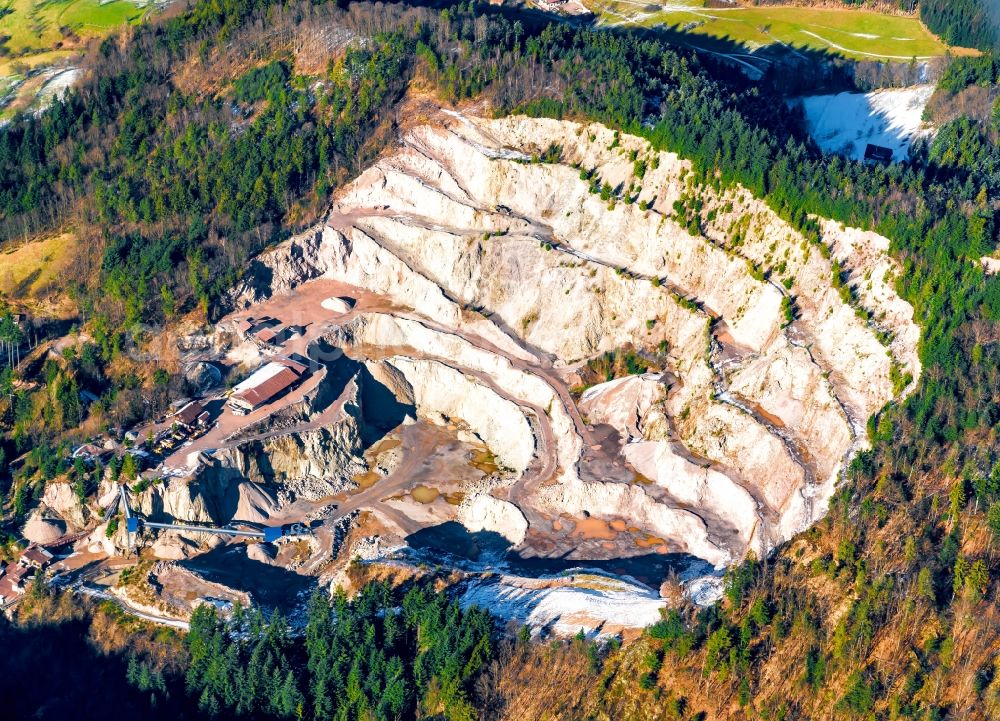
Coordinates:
52	672
452	539
269	586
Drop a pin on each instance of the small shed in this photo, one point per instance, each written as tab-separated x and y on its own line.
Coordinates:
878	154
193	415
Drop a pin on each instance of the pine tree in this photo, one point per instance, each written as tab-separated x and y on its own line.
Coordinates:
977	581
960	570
130	468
957	499
925	585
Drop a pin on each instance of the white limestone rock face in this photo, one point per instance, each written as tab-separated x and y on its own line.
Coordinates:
632	405
251	480
62	500
255	503
181	500
310	464
248	482
693	485
504	275
500	423
170	546
685	530
203	376
98	540
509	380
482	512
262	552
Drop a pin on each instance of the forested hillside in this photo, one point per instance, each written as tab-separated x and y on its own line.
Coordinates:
175	204
360	659
887	609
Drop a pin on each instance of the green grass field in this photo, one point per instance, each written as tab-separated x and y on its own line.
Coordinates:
29	267
859	34
37	37
39	26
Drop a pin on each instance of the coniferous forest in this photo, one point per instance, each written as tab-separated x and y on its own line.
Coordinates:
962	22
377	656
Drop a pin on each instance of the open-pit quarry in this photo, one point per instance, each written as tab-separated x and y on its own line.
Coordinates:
467	305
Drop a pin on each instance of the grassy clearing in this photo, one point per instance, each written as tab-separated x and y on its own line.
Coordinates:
39	26
30	269
860	34
17	67
38	36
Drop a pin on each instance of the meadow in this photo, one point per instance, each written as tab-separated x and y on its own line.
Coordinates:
858	34
30	271
39	38
39	27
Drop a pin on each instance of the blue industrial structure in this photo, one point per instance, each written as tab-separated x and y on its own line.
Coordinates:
135	523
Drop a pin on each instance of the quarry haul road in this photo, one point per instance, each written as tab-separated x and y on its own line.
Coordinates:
546	465
521	493
541	469
130	609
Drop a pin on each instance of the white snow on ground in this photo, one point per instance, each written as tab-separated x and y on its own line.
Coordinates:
845	123
704	591
55	88
601	604
991	264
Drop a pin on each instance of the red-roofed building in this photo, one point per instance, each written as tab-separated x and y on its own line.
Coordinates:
90	452
249	400
8	591
277	335
299	368
254	325
14	583
267	335
191	416
35	557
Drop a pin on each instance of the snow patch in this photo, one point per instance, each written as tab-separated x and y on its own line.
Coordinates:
562	605
704	591
845	123
599	603
56	88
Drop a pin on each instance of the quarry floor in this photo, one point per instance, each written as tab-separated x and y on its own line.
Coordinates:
421	493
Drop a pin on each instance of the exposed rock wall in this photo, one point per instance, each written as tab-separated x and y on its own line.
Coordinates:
248	480
512	379
507	272
310	464
482	512
441	390
62	499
